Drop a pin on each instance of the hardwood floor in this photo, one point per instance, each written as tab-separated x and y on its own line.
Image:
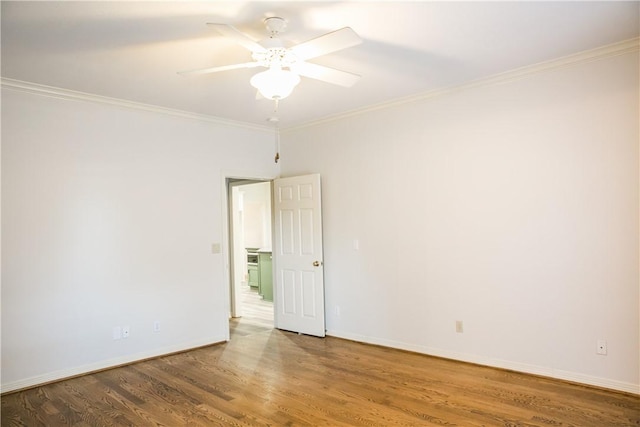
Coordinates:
269	377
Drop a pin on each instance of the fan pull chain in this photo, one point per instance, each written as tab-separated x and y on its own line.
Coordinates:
274	119
277	143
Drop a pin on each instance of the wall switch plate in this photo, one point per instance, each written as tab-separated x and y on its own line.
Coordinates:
601	347
216	248
117	333
156	326
125	332
459	326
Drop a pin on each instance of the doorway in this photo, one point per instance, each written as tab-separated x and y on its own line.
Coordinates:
251	278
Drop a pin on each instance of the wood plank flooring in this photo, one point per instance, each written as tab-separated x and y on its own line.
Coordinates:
268	377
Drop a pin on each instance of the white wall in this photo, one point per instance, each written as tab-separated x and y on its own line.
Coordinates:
108	219
512	207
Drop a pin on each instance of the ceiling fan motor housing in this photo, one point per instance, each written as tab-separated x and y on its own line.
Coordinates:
275	54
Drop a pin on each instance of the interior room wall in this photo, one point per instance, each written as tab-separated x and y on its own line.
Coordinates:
512	207
109	217
257	215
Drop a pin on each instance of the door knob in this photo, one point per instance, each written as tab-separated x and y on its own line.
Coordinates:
316	263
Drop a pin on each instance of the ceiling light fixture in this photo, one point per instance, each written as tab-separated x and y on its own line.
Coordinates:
275	83
285	65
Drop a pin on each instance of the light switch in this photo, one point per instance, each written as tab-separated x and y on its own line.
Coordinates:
215	248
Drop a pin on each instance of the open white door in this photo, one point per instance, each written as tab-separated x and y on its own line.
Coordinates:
299	277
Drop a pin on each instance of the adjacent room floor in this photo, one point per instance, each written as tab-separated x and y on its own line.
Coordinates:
257	314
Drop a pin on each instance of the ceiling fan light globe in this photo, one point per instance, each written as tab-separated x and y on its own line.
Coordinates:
275	83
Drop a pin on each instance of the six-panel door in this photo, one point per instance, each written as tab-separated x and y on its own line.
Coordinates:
299	296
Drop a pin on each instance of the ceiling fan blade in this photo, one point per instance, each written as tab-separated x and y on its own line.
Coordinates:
330	42
218	69
237	36
326	74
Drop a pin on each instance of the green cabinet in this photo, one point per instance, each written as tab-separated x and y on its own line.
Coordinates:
260	272
252	268
265	275
254	279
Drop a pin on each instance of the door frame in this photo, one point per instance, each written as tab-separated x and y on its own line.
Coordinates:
229	180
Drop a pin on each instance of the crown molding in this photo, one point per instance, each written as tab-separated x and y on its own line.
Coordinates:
72	95
616	49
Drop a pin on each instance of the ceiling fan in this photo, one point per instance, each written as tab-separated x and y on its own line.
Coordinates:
284	64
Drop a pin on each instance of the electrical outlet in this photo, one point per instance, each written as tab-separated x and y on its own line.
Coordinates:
459	326
125	332
156	326
601	347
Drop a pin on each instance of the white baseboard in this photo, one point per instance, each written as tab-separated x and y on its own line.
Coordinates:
496	363
104	364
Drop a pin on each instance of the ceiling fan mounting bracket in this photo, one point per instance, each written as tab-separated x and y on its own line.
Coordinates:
275	25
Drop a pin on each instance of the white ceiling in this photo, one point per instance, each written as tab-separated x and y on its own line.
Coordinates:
133	50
